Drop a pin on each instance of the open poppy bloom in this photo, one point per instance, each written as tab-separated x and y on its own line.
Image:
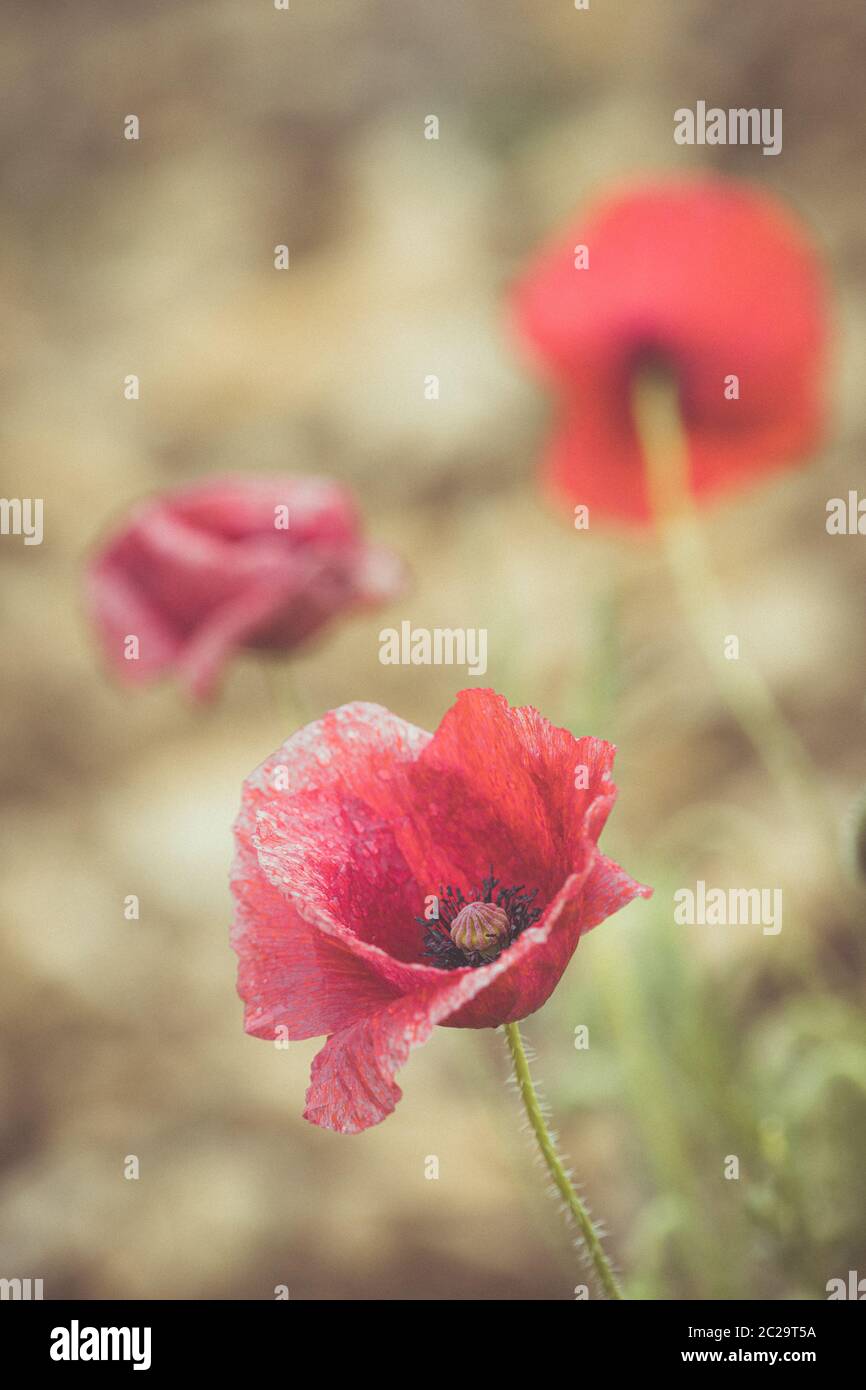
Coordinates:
708	280
388	880
260	562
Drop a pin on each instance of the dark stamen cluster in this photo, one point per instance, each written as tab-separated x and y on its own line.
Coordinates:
516	903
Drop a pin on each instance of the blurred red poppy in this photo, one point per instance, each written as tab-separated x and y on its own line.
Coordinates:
262	562
709	279
359	845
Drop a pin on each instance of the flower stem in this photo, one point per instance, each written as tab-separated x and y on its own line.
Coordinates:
660	429
606	1277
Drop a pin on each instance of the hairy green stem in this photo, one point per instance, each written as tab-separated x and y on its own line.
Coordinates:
602	1266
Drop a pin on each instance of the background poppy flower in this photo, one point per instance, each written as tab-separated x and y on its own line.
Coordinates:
374	818
707	278
199	572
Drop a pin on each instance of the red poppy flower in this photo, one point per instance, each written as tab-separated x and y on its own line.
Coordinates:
349	835
233	562
711	279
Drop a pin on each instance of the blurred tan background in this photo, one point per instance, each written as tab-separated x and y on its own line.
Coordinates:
156	258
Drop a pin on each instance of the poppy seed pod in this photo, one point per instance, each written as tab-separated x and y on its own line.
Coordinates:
481	927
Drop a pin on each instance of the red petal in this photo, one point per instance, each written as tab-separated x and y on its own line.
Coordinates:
237	507
607	889
315	812
593	458
289	974
229	626
497	786
119	611
352	1079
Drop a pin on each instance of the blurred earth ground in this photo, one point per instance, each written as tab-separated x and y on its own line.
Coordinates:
260	127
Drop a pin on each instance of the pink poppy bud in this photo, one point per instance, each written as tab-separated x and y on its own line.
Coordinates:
252	562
